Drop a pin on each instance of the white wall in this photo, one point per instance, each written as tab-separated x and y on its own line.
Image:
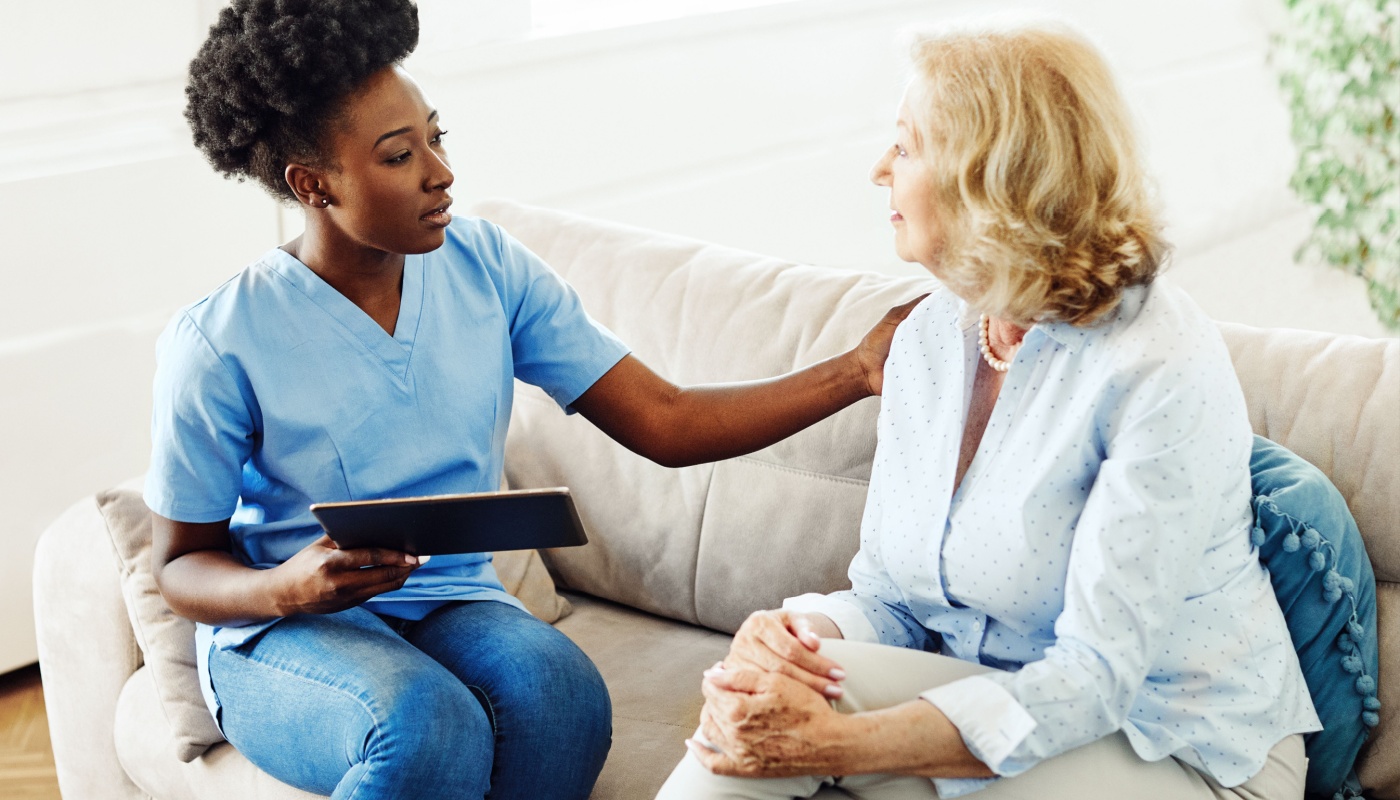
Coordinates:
753	128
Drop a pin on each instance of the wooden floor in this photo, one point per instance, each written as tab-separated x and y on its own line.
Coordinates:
26	759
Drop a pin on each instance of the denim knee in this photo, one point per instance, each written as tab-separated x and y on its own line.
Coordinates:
566	687
429	726
572	719
586	702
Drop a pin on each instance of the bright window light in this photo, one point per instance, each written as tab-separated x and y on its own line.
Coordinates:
556	17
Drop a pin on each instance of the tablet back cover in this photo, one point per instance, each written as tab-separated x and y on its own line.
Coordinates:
457	523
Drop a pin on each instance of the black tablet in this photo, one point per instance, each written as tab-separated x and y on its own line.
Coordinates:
522	519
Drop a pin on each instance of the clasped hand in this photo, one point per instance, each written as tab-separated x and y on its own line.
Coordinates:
767	710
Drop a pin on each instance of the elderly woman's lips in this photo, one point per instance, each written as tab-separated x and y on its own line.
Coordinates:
895	217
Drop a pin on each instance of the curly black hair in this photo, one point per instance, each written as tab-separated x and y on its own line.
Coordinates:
273	74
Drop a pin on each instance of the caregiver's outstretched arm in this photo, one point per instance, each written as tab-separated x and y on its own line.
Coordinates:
677	426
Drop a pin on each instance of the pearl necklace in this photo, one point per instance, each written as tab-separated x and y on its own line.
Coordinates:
986	348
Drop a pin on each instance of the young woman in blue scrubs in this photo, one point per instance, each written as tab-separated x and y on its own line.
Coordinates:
373	356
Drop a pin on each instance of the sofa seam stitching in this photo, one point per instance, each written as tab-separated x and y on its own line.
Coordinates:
803	472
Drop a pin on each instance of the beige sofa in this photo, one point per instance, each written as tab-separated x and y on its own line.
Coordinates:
680	557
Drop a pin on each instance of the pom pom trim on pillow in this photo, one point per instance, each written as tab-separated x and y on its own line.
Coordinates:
1307	542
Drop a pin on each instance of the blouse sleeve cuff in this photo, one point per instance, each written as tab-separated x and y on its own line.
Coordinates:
992	722
852	621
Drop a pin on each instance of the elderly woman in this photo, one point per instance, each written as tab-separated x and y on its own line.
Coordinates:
1055	594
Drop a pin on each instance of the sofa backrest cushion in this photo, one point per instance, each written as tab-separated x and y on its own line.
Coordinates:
1335	401
711	543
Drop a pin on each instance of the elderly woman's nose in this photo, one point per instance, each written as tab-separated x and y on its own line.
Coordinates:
880	172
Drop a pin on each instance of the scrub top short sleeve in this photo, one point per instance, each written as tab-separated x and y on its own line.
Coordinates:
555	344
201	430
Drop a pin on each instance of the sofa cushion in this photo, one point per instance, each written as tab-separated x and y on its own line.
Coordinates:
751	511
652	668
144	741
1333	400
167	640
524	575
1324	584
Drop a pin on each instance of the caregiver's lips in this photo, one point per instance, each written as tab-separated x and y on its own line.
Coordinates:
895	217
439	216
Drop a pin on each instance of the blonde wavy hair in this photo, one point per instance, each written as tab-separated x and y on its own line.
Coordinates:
1043	202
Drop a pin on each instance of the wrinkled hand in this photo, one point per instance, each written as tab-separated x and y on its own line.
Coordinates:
323	579
786	643
766	725
875	347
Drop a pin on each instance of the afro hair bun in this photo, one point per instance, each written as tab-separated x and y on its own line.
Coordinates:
272	74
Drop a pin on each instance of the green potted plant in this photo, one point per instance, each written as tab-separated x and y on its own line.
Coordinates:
1339	63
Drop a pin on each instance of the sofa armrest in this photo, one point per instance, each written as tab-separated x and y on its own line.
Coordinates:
87	651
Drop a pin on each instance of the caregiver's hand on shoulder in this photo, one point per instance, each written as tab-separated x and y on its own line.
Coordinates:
323	579
766	725
875	347
786	643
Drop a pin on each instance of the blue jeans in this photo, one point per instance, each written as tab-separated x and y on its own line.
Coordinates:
476	700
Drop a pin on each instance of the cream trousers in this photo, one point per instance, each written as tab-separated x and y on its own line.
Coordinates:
882	676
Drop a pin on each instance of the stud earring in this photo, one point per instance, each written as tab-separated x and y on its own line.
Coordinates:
325	201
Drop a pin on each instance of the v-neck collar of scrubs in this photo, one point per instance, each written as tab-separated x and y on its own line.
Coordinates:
395	351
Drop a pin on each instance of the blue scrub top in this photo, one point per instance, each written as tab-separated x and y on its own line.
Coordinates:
276	391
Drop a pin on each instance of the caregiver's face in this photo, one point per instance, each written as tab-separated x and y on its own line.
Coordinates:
918	235
391	191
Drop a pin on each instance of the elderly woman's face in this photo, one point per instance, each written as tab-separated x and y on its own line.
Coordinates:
918	235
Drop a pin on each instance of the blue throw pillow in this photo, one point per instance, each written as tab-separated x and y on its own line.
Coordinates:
1308	540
